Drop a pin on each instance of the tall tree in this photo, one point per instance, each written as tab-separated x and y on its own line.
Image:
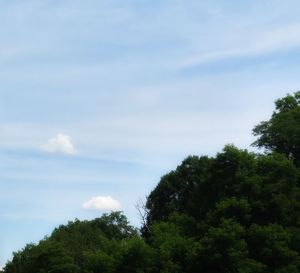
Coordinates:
282	132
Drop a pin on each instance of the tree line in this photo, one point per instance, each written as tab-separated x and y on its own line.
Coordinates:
236	212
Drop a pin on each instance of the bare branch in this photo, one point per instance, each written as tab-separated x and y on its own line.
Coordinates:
142	212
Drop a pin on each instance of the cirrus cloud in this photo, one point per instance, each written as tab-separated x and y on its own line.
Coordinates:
102	203
60	144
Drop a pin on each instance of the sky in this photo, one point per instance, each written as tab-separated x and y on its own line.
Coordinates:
99	99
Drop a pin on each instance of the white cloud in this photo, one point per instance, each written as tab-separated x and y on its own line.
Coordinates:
265	42
102	203
60	144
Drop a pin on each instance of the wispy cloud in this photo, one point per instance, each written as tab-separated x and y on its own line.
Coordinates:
60	144
102	203
264	42
143	107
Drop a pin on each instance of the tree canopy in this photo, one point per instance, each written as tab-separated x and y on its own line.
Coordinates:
236	212
282	132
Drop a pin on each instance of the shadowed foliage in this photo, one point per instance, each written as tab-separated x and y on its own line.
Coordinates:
236	212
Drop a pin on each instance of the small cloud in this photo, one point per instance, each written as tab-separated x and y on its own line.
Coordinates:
60	144
102	203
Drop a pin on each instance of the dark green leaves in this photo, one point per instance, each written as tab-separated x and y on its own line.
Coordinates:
237	212
282	132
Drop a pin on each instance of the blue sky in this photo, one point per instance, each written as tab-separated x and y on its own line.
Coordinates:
99	99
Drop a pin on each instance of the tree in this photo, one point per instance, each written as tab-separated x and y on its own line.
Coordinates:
48	256
80	246
236	212
211	207
224	249
282	132
176	190
271	246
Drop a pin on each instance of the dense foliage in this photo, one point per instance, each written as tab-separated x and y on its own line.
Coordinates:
235	212
281	133
106	244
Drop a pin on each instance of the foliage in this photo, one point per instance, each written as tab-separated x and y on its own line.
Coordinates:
282	132
237	212
233	200
101	245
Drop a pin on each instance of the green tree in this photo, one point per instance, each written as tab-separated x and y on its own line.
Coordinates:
227	196
135	256
48	256
282	132
172	245
271	245
224	249
80	246
236	212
